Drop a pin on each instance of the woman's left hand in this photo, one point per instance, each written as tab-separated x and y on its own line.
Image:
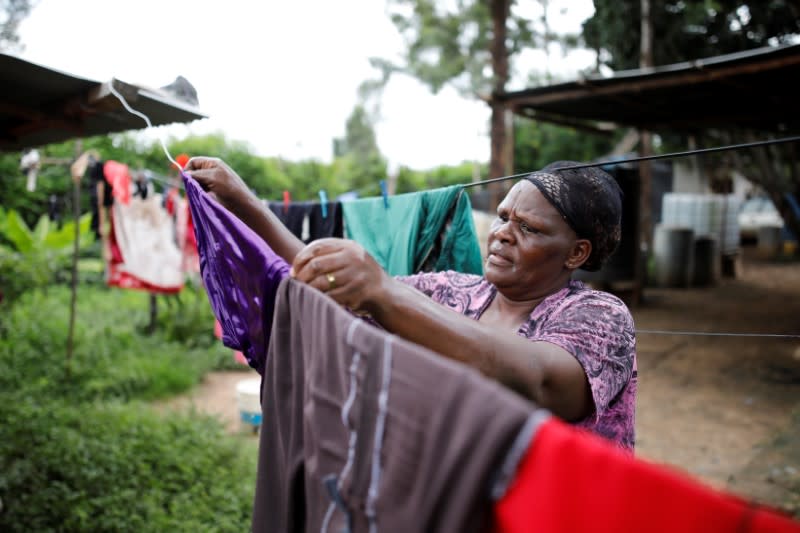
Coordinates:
344	270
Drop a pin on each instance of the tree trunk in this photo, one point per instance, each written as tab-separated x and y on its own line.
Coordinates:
497	131
645	222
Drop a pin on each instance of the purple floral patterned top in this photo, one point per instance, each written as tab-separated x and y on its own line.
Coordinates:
594	326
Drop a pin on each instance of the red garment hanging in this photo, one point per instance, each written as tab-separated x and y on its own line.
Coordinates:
572	481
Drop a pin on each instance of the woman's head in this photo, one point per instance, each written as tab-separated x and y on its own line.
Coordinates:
590	201
550	224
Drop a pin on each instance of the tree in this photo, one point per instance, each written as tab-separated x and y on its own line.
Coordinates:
470	47
686	30
359	147
538	143
12	12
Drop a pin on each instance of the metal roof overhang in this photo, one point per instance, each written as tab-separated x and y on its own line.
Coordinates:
754	90
39	106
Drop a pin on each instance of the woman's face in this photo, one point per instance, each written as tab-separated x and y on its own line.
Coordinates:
531	247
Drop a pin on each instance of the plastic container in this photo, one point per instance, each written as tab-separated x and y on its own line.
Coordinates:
673	251
248	401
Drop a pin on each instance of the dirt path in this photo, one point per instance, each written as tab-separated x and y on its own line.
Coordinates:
722	407
725	409
216	396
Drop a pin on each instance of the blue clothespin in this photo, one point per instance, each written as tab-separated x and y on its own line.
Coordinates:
385	194
323	200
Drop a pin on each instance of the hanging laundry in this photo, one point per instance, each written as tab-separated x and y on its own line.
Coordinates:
99	194
570	480
240	273
143	184
141	239
119	177
185	236
423	231
308	221
362	428
29	164
143	253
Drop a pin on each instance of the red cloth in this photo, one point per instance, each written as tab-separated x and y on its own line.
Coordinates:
119	178
571	481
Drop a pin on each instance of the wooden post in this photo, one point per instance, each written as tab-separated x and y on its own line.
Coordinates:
645	168
77	174
151	326
499	51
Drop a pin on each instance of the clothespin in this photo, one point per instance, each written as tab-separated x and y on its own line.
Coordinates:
323	200
385	194
286	200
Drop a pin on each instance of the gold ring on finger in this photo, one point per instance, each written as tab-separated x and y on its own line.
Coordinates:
331	281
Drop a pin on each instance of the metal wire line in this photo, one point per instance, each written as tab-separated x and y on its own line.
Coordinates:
673	155
712	334
572	167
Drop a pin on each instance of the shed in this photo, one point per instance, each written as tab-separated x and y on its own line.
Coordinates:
39	105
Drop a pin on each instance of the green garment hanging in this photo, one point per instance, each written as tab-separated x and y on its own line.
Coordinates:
430	230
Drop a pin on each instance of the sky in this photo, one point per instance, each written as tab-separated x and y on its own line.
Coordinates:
282	76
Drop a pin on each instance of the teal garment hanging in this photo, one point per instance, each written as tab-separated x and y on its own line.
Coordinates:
429	230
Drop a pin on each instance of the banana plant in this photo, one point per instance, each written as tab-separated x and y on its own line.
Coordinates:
44	237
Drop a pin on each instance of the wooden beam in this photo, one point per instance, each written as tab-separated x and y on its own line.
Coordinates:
648	82
580	125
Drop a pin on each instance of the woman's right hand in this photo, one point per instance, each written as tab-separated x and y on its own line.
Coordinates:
216	177
345	271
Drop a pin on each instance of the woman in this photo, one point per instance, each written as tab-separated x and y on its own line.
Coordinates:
574	348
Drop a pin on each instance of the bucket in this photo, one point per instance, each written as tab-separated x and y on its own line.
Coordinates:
248	401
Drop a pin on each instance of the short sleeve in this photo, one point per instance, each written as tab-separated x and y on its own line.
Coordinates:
464	293
597	328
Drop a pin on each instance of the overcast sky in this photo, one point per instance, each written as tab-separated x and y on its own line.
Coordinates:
280	75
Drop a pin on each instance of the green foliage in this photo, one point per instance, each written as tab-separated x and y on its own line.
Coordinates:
360	161
539	143
450	45
112	359
74	458
35	258
686	30
409	180
113	467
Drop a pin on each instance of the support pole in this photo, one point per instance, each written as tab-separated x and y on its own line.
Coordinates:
77	171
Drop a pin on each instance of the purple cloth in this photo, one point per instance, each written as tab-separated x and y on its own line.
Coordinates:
240	272
594	326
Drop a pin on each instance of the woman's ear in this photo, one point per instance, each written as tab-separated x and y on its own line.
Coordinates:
579	254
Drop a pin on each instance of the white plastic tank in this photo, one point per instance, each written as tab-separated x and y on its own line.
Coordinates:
708	215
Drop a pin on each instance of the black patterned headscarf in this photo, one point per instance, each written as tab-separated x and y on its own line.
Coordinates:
590	201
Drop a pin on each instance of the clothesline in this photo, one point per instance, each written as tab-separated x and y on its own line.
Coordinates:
672	155
717	334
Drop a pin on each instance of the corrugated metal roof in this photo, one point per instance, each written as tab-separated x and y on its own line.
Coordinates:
39	105
754	90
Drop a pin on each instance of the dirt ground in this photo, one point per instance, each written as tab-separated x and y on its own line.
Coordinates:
725	409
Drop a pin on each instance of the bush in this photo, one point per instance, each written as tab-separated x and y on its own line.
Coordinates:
119	468
110	359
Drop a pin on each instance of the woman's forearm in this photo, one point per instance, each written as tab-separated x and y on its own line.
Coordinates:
539	371
415	317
